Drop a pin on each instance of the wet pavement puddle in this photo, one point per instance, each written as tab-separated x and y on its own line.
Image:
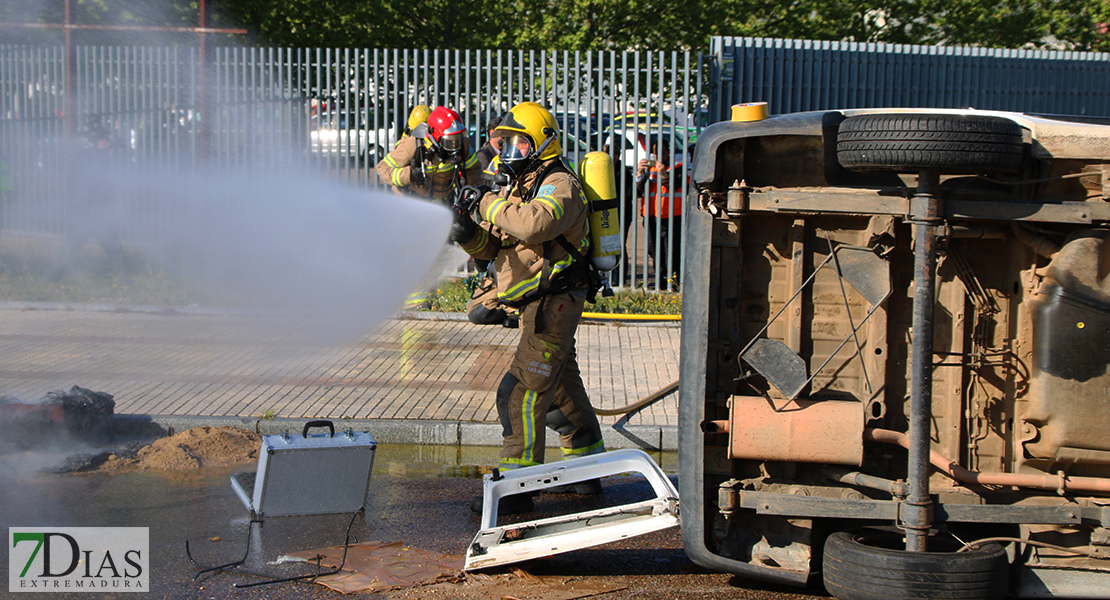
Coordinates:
418	495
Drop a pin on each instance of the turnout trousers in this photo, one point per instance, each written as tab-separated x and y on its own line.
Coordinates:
543	387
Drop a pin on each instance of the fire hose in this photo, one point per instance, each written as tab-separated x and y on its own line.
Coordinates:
630	317
639	404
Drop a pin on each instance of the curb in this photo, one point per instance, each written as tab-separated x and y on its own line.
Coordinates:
389	431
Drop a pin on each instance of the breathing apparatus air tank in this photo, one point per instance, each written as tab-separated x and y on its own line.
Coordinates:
599	183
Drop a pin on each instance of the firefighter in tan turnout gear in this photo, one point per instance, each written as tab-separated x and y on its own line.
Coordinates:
434	160
536	231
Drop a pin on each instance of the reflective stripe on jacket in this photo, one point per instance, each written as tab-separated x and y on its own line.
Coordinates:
520	236
659	197
396	169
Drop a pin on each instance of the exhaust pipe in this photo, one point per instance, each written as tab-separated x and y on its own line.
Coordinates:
1061	483
714	426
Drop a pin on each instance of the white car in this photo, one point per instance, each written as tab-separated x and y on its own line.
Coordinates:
635	143
340	134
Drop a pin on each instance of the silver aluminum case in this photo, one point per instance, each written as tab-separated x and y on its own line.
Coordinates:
311	474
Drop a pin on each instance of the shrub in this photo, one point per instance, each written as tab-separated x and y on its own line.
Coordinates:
452	295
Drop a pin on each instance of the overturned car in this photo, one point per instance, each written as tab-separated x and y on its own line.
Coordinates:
895	349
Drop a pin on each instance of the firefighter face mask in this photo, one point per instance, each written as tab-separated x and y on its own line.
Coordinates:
516	153
452	144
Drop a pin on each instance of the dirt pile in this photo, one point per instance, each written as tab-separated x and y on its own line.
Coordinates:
192	449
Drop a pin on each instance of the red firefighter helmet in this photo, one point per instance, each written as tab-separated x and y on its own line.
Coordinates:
447	129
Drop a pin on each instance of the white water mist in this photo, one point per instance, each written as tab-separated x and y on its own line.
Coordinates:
336	258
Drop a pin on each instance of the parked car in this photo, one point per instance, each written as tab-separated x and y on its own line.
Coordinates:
634	143
689	125
344	134
574	149
894	353
579	125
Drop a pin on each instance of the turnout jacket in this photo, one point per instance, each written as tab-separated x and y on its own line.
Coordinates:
396	169
521	236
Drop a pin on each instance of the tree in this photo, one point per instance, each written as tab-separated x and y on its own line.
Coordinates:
1050	24
1085	26
604	24
133	13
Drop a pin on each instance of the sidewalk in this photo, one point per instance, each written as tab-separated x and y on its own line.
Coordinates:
418	378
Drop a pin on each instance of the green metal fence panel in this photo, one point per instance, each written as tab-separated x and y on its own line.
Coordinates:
801	75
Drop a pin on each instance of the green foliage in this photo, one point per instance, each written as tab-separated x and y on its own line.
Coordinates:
609	25
639	302
1006	24
590	24
626	25
1083	26
452	295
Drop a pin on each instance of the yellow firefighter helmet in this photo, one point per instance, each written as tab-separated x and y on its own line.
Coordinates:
531	134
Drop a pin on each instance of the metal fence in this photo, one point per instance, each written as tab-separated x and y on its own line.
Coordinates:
329	112
335	112
799	75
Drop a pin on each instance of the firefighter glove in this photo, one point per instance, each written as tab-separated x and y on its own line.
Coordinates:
463	227
416	170
470	196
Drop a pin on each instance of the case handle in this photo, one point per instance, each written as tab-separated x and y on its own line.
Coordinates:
328	424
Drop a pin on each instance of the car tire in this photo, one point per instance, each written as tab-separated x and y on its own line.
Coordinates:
954	144
872	565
